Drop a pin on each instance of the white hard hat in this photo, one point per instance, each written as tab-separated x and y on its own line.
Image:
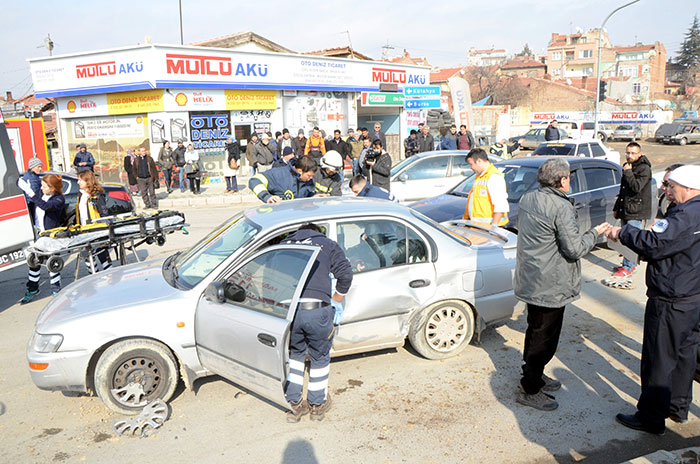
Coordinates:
332	160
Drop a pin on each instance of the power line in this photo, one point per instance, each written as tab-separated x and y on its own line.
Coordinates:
20	82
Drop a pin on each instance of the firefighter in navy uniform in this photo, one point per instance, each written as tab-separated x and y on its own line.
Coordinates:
285	183
672	314
312	329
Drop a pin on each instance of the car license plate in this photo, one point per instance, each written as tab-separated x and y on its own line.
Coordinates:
10	258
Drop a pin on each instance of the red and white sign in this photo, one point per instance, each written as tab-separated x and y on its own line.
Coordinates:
82	106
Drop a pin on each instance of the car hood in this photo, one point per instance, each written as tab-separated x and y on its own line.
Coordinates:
445	207
135	284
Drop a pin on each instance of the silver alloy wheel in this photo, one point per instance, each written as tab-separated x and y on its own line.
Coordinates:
446	329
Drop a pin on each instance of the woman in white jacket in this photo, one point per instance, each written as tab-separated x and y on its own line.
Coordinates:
192	169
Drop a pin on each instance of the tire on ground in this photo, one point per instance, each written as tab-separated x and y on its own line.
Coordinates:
119	358
424	333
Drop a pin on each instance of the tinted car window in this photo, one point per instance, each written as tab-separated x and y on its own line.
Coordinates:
555	149
269	281
430	168
574	183
599	178
589	125
584	150
397	168
624	127
373	244
597	150
519	180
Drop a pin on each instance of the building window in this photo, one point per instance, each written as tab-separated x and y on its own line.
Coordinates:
585	54
556	72
588	71
583	40
569	56
556	56
636	88
628	71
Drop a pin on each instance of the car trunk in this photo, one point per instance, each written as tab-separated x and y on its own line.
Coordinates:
668	130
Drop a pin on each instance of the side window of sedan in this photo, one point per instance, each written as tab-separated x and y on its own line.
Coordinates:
574	183
597	150
597	178
374	244
267	283
430	168
584	151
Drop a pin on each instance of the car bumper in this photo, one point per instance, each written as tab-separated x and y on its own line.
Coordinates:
64	370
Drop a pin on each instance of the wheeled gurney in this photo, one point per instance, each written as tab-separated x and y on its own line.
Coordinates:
54	246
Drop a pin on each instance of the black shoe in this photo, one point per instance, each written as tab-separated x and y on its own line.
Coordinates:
633	422
677	419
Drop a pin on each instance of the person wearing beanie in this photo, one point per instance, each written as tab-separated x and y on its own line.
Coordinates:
31	177
299	144
671	249
84	160
286	158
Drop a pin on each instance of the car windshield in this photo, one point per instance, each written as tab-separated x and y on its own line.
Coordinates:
398	167
532	132
555	149
519	179
197	262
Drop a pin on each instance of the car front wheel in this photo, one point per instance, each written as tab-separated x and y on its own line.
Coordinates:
443	329
683	141
132	373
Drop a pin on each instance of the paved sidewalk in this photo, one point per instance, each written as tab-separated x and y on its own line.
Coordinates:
212	194
683	456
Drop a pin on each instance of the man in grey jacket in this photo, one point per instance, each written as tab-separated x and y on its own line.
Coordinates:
263	154
547	274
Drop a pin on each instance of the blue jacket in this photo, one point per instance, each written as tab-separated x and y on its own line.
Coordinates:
35	183
84	158
372	191
331	260
672	250
53	209
449	142
283	182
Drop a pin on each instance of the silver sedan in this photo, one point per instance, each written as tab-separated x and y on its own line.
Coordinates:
225	305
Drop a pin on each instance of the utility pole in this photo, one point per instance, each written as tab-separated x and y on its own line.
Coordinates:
352	52
600	46
385	50
182	41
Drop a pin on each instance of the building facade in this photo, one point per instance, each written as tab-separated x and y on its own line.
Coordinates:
575	55
490	57
142	96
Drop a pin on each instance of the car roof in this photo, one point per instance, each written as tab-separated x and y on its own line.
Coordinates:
320	208
536	161
570	142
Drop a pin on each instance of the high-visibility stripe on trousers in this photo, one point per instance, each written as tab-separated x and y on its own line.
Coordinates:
312	335
34	275
101	259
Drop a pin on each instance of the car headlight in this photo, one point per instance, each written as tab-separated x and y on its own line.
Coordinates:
46	343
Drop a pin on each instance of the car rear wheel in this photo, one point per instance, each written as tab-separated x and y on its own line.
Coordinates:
442	330
602	137
132	373
683	141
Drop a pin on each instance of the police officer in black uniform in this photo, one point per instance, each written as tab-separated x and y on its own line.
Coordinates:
312	329
672	315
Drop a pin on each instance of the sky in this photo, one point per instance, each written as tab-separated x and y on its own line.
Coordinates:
441	32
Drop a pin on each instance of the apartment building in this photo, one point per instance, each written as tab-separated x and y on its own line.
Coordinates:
491	57
575	55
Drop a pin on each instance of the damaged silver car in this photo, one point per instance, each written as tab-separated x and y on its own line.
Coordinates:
225	305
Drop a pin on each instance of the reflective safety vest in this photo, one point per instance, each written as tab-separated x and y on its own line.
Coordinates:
479	201
499	149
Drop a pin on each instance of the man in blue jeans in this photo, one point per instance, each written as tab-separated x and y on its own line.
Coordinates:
633	205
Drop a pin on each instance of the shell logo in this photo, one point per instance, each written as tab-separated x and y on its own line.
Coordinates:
139	120
181	99
71	106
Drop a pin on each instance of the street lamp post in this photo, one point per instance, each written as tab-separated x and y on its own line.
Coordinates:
600	46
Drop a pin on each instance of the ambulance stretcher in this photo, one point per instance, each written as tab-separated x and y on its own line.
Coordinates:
55	246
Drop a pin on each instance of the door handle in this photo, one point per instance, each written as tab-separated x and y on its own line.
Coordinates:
418	283
578	205
266	339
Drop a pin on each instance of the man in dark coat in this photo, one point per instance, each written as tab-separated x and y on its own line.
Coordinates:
551	132
672	315
83	159
339	145
425	140
633	205
376	166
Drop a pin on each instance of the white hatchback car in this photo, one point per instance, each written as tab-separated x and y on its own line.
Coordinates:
588	148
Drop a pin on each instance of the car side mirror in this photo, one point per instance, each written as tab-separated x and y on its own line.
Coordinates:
234	292
403	177
215	292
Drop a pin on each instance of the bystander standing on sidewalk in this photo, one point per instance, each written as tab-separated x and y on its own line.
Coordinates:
465	139
165	159
179	158
284	141
233	156
128	168
410	145
449	141
425	140
250	152
146	174
299	144
193	169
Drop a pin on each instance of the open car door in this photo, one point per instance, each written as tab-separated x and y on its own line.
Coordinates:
243	318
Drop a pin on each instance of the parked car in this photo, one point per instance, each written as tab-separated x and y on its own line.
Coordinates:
225	305
627	132
595	184
534	137
582	148
430	173
681	133
117	197
604	132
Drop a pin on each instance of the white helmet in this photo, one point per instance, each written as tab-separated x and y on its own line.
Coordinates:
332	160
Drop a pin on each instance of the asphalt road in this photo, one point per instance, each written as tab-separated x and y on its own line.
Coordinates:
389	406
